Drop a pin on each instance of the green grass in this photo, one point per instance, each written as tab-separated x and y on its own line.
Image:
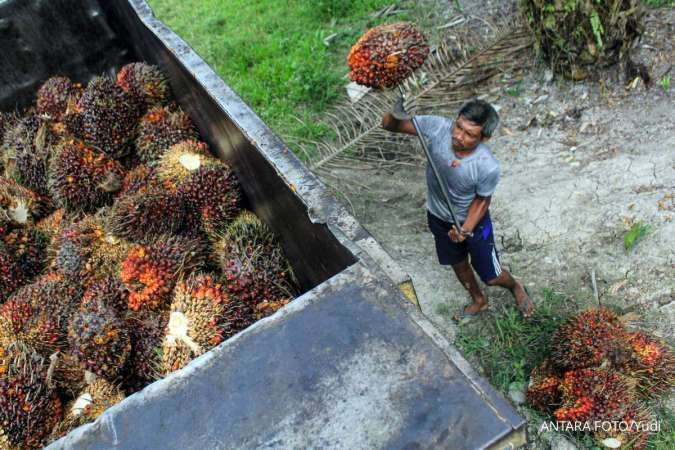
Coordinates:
272	53
633	236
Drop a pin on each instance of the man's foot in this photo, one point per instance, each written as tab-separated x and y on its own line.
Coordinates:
471	310
523	300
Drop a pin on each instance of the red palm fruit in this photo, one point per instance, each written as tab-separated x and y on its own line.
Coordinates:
54	94
652	364
28	249
159	129
29	408
144	364
143	216
98	337
108	117
543	392
387	54
145	83
587	339
150	271
83	179
106	293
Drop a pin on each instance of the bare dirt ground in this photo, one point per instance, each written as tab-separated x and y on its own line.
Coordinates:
581	162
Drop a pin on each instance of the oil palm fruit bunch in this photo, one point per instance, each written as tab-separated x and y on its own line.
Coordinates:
27	246
140	179
109	117
29	408
11	275
212	197
52	224
20	205
143	216
144	364
183	159
82	178
145	83
253	262
91	402
387	54
635	435
28	147
98	337
543	391
150	271
652	364
106	293
594	394
159	129
574	37
587	339
54	94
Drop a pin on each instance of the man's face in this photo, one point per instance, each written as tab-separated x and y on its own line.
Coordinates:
466	135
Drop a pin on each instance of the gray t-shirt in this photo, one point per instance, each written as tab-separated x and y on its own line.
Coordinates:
476	174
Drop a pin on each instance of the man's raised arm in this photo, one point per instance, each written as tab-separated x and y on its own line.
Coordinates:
398	120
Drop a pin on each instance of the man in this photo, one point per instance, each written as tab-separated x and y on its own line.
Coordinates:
470	172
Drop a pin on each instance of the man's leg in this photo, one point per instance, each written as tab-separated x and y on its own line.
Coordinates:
466	276
507	281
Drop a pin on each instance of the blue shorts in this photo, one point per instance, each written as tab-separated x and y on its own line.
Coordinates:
481	247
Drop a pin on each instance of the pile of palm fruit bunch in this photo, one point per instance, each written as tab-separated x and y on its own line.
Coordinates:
125	251
575	37
599	371
387	54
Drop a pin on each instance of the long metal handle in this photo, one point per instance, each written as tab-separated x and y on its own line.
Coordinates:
444	188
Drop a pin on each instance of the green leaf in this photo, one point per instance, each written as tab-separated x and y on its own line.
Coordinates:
636	232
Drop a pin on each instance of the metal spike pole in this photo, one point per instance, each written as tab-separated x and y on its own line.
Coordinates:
434	169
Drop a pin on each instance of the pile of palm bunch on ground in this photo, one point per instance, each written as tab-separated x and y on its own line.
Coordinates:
125	251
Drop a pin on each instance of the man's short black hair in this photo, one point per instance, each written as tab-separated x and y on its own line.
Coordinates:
481	113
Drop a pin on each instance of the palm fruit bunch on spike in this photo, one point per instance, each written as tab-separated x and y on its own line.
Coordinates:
212	198
543	391
183	159
67	374
387	54
202	316
144	364
100	340
29	408
86	252
81	178
54	94
594	394
28	147
587	339
11	275
27	247
150	271
159	129
143	216
109	117
652	364
106	293
140	179
20	205
636	434
253	263
91	402
145	83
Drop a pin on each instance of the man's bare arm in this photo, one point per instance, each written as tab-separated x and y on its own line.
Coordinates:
391	123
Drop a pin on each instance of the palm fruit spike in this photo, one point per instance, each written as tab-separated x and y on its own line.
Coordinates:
587	339
29	408
145	83
212	197
27	149
652	364
387	54
20	205
150	271
182	159
105	293
543	391
143	216
636	434
594	394
81	178
91	402
11	275
100	340
159	129
86	252
53	96
253	262
27	247
109	117
144	364
140	179
175	355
